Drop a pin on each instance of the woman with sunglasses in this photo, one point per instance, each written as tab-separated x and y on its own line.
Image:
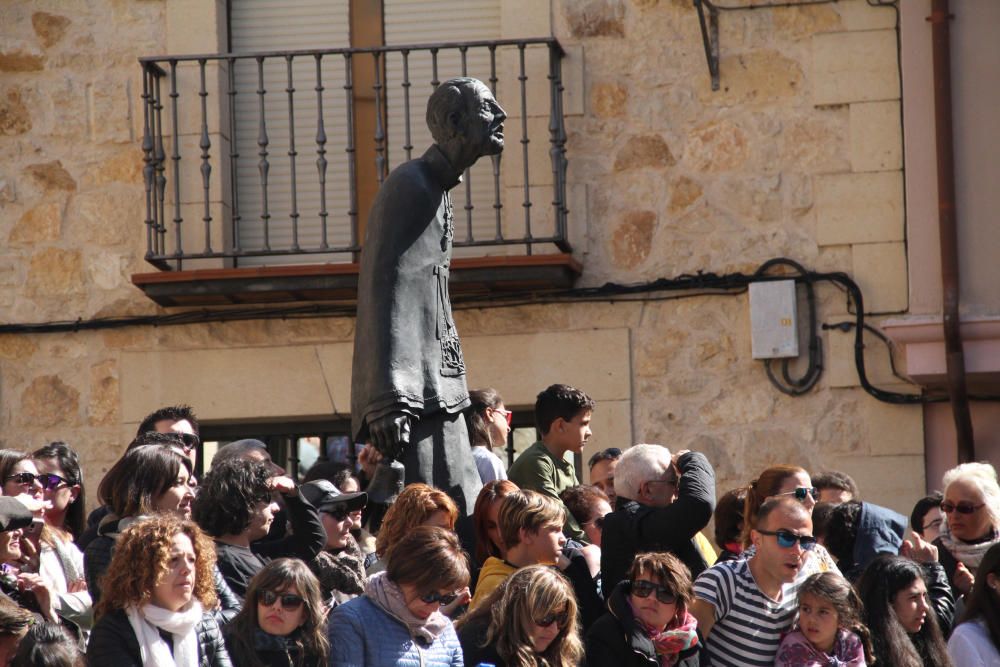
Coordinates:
60	562
489	424
785	481
340	565
528	621
19	477
156	596
648	622
898	613
283	623
398	621
971	507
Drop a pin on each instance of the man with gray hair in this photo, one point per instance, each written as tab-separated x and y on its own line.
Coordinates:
663	502
408	386
250	449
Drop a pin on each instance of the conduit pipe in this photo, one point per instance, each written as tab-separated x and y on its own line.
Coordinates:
948	231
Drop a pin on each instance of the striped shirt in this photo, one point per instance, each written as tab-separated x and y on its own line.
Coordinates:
748	624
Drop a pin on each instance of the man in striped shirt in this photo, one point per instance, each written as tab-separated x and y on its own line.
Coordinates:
744	606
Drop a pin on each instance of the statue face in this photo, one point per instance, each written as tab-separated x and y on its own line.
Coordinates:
483	123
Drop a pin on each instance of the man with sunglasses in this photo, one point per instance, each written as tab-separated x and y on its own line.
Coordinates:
744	606
662	505
340	565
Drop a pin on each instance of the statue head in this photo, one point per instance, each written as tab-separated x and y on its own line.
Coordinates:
465	120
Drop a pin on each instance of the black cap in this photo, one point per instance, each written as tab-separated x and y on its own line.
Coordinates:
323	495
13	514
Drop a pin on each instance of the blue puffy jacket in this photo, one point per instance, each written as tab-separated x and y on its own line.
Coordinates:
362	634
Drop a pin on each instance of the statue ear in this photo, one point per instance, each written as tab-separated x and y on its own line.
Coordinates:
455	120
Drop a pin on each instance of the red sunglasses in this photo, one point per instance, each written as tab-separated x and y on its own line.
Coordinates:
507	414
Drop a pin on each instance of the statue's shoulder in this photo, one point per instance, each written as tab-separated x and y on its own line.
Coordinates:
411	179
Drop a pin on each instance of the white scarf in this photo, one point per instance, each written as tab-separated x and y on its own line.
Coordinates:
153	651
970	555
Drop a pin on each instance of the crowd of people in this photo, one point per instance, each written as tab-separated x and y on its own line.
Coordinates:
248	567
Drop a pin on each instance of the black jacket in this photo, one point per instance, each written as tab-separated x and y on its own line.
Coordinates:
273	651
113	642
472	635
633	528
617	640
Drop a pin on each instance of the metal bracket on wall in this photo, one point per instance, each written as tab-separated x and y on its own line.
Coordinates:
710	27
710	37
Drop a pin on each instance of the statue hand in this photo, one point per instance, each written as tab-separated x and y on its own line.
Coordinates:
390	433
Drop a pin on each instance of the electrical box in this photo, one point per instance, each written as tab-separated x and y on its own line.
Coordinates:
774	332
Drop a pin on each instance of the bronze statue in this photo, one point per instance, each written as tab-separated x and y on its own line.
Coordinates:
408	386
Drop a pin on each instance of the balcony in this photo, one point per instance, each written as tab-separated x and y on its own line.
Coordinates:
260	169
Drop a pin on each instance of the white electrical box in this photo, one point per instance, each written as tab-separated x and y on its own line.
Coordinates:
774	333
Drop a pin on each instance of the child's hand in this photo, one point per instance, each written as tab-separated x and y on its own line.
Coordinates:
919	549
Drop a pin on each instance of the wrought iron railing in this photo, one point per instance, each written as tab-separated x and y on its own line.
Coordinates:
213	160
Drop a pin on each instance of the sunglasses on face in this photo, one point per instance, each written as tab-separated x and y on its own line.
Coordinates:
562	618
443	599
644	589
289	601
339	512
963	507
190	441
801	492
48	481
787	539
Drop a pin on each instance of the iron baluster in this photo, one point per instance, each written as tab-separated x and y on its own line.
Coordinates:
233	158
495	159
523	78
262	165
147	158
206	167
379	129
175	158
161	178
352	157
408	145
321	151
434	68
557	137
290	91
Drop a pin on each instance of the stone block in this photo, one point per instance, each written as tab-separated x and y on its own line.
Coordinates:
804	21
48	401
859	208
50	28
718	146
632	237
594	360
573	81
525	17
37	225
195	26
876	136
19	61
896	482
14	115
232	384
647	151
756	78
684	192
55	272
860	15
608	100
855	67
880	271
894	430
612	427
51	176
102	409
840	369
595	18
15	347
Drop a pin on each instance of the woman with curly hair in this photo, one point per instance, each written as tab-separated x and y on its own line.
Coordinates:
898	613
530	620
648	621
417	505
283	623
398	621
156	596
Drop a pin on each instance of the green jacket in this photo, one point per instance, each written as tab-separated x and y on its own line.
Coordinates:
538	470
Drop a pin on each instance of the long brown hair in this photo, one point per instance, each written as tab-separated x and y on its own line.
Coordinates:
491	493
759	490
141	558
530	593
836	590
475	415
310	638
984	602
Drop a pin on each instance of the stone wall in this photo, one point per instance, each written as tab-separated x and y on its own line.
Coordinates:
797	155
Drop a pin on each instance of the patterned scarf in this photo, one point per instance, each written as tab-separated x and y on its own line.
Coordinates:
387	596
679	635
341	575
971	555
